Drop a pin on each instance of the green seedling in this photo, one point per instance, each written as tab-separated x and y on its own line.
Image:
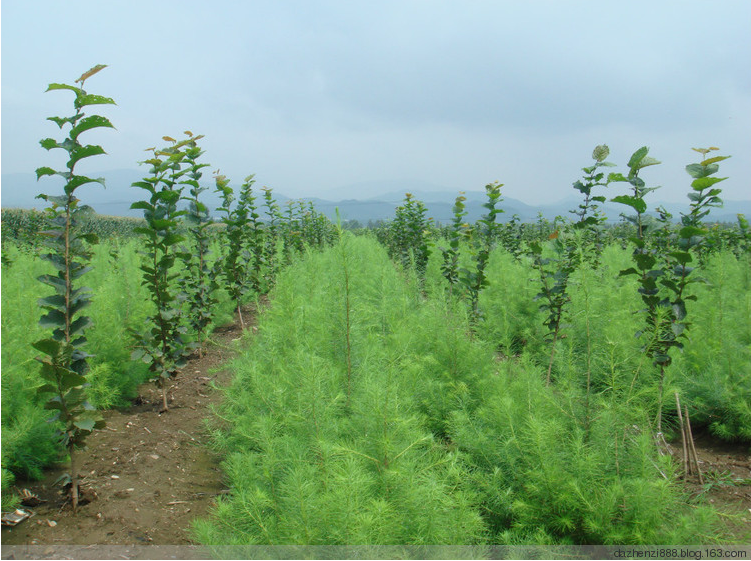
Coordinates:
271	236
482	240
64	360
663	260
199	283
457	231
589	218
409	239
163	346
238	255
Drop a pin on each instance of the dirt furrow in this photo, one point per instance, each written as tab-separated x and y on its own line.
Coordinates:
147	475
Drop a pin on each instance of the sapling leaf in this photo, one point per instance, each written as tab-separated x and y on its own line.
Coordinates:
638	204
49	144
85	424
77	91
82	152
697	170
89	99
44	171
702	183
49	347
79	180
637	157
713	160
89	73
600	152
88	123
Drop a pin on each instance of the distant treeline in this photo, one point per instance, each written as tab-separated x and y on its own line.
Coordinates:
25	225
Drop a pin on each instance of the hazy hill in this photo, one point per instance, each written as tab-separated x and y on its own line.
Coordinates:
354	201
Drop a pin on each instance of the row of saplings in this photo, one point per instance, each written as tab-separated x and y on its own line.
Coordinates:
181	277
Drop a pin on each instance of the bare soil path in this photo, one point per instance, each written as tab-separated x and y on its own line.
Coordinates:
147	475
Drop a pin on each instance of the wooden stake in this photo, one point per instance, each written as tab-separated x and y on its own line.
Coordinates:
686	465
693	448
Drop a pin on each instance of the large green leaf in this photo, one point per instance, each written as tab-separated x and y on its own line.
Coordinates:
142	205
56	301
49	143
72	380
85	424
688	232
644	261
91	99
88	123
81	152
44	170
702	183
637	157
80	324
49	347
61	121
78	91
616	177
78	180
78	272
53	318
697	170
648	161
638	204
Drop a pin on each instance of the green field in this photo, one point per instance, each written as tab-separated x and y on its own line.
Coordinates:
373	408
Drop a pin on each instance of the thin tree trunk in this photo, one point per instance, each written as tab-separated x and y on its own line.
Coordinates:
240	315
165	407
552	355
73	478
659	404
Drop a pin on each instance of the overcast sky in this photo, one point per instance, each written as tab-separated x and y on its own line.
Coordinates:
312	96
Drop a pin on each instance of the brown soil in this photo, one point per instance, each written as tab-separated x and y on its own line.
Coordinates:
726	469
147	474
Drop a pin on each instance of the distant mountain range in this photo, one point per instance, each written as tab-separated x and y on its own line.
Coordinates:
20	189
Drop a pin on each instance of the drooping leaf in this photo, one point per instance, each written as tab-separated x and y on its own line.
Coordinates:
84	152
88	123
702	183
77	91
638	204
78	180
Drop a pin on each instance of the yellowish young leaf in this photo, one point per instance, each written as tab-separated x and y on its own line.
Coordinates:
90	73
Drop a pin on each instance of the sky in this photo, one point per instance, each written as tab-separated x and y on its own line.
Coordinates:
334	98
